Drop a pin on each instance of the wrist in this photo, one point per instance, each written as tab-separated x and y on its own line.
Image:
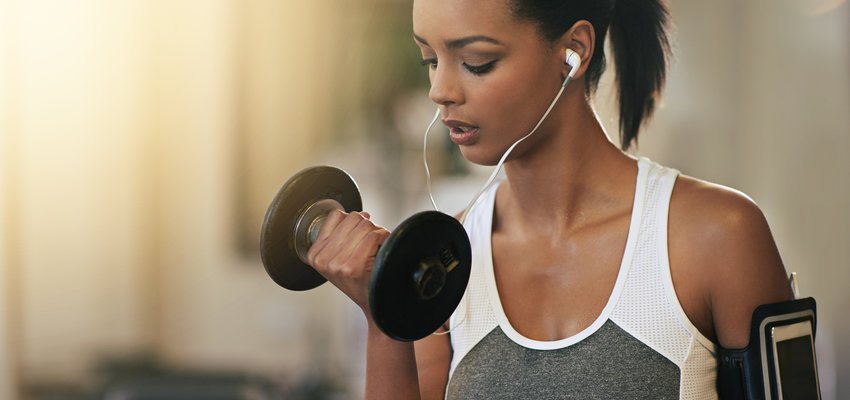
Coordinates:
375	333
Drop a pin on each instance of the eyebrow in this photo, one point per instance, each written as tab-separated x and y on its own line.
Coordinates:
460	42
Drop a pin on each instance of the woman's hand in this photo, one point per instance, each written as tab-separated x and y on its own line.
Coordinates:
344	253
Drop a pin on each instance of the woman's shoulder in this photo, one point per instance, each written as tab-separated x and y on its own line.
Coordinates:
721	246
713	215
714	211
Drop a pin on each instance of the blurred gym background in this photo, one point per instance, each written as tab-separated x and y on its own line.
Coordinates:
140	142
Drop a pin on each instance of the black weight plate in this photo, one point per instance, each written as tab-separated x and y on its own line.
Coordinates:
277	244
395	305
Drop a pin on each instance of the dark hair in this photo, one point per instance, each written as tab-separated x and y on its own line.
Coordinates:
638	40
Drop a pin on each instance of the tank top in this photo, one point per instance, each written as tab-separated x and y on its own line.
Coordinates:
641	346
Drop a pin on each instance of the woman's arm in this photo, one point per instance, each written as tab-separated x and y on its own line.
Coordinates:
395	371
749	271
724	260
390	367
344	253
433	358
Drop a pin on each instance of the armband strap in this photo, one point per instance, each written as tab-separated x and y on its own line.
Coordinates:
755	372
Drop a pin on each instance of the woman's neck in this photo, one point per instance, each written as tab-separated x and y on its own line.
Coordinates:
566	178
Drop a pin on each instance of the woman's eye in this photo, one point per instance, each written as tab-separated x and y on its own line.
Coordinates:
430	62
480	69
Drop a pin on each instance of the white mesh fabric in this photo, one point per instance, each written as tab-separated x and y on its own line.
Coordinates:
648	307
643	309
699	374
474	318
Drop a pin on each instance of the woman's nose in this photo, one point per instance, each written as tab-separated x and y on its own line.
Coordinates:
445	87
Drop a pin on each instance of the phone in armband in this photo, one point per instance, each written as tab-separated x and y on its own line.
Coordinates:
780	362
794	361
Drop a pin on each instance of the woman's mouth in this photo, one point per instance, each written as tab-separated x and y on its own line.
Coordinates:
462	134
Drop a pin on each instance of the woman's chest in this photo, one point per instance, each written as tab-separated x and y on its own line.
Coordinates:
554	290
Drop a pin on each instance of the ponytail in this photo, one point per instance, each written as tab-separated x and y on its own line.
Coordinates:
641	53
641	49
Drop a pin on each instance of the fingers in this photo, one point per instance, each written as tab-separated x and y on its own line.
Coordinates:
337	222
333	219
348	231
369	244
345	250
353	239
338	240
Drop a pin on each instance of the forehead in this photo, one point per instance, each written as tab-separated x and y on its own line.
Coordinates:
442	19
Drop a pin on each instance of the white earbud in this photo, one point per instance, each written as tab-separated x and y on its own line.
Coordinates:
574	61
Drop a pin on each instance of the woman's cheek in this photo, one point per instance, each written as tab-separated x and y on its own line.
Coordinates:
503	109
496	100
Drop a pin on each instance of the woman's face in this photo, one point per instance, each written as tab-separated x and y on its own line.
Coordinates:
491	76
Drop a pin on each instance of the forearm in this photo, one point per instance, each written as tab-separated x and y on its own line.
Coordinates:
390	367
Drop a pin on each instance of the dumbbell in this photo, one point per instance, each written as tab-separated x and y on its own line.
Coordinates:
420	272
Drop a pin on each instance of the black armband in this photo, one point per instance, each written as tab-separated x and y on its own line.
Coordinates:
779	362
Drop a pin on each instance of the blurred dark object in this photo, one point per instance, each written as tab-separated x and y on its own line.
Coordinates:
146	379
186	387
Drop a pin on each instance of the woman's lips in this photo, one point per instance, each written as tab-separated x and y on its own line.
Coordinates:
463	136
461	133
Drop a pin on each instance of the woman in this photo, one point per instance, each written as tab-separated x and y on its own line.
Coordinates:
595	275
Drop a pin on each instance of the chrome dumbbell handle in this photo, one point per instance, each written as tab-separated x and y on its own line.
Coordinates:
310	223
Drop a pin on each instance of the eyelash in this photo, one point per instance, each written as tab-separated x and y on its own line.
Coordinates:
474	69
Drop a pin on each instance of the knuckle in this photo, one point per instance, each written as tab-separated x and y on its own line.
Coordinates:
374	236
365	224
335	215
339	268
334	265
342	268
354	216
349	271
320	261
380	235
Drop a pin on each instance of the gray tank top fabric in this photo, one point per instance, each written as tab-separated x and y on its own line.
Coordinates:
610	364
641	346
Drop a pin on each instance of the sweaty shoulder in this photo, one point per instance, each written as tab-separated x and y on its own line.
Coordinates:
723	259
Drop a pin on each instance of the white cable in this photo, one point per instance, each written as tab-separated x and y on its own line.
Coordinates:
474	201
425	159
508	152
498	168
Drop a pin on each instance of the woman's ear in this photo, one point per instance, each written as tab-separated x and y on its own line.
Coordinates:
580	38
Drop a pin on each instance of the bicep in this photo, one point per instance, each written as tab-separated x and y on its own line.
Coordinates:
748	271
433	357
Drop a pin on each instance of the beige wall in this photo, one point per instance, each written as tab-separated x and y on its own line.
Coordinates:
760	100
77	112
7	289
119	173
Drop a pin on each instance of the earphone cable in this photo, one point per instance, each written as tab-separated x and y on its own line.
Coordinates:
496	170
425	159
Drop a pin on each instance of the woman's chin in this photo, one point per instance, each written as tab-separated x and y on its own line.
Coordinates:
480	156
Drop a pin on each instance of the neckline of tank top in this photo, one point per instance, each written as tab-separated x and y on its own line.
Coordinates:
495	300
